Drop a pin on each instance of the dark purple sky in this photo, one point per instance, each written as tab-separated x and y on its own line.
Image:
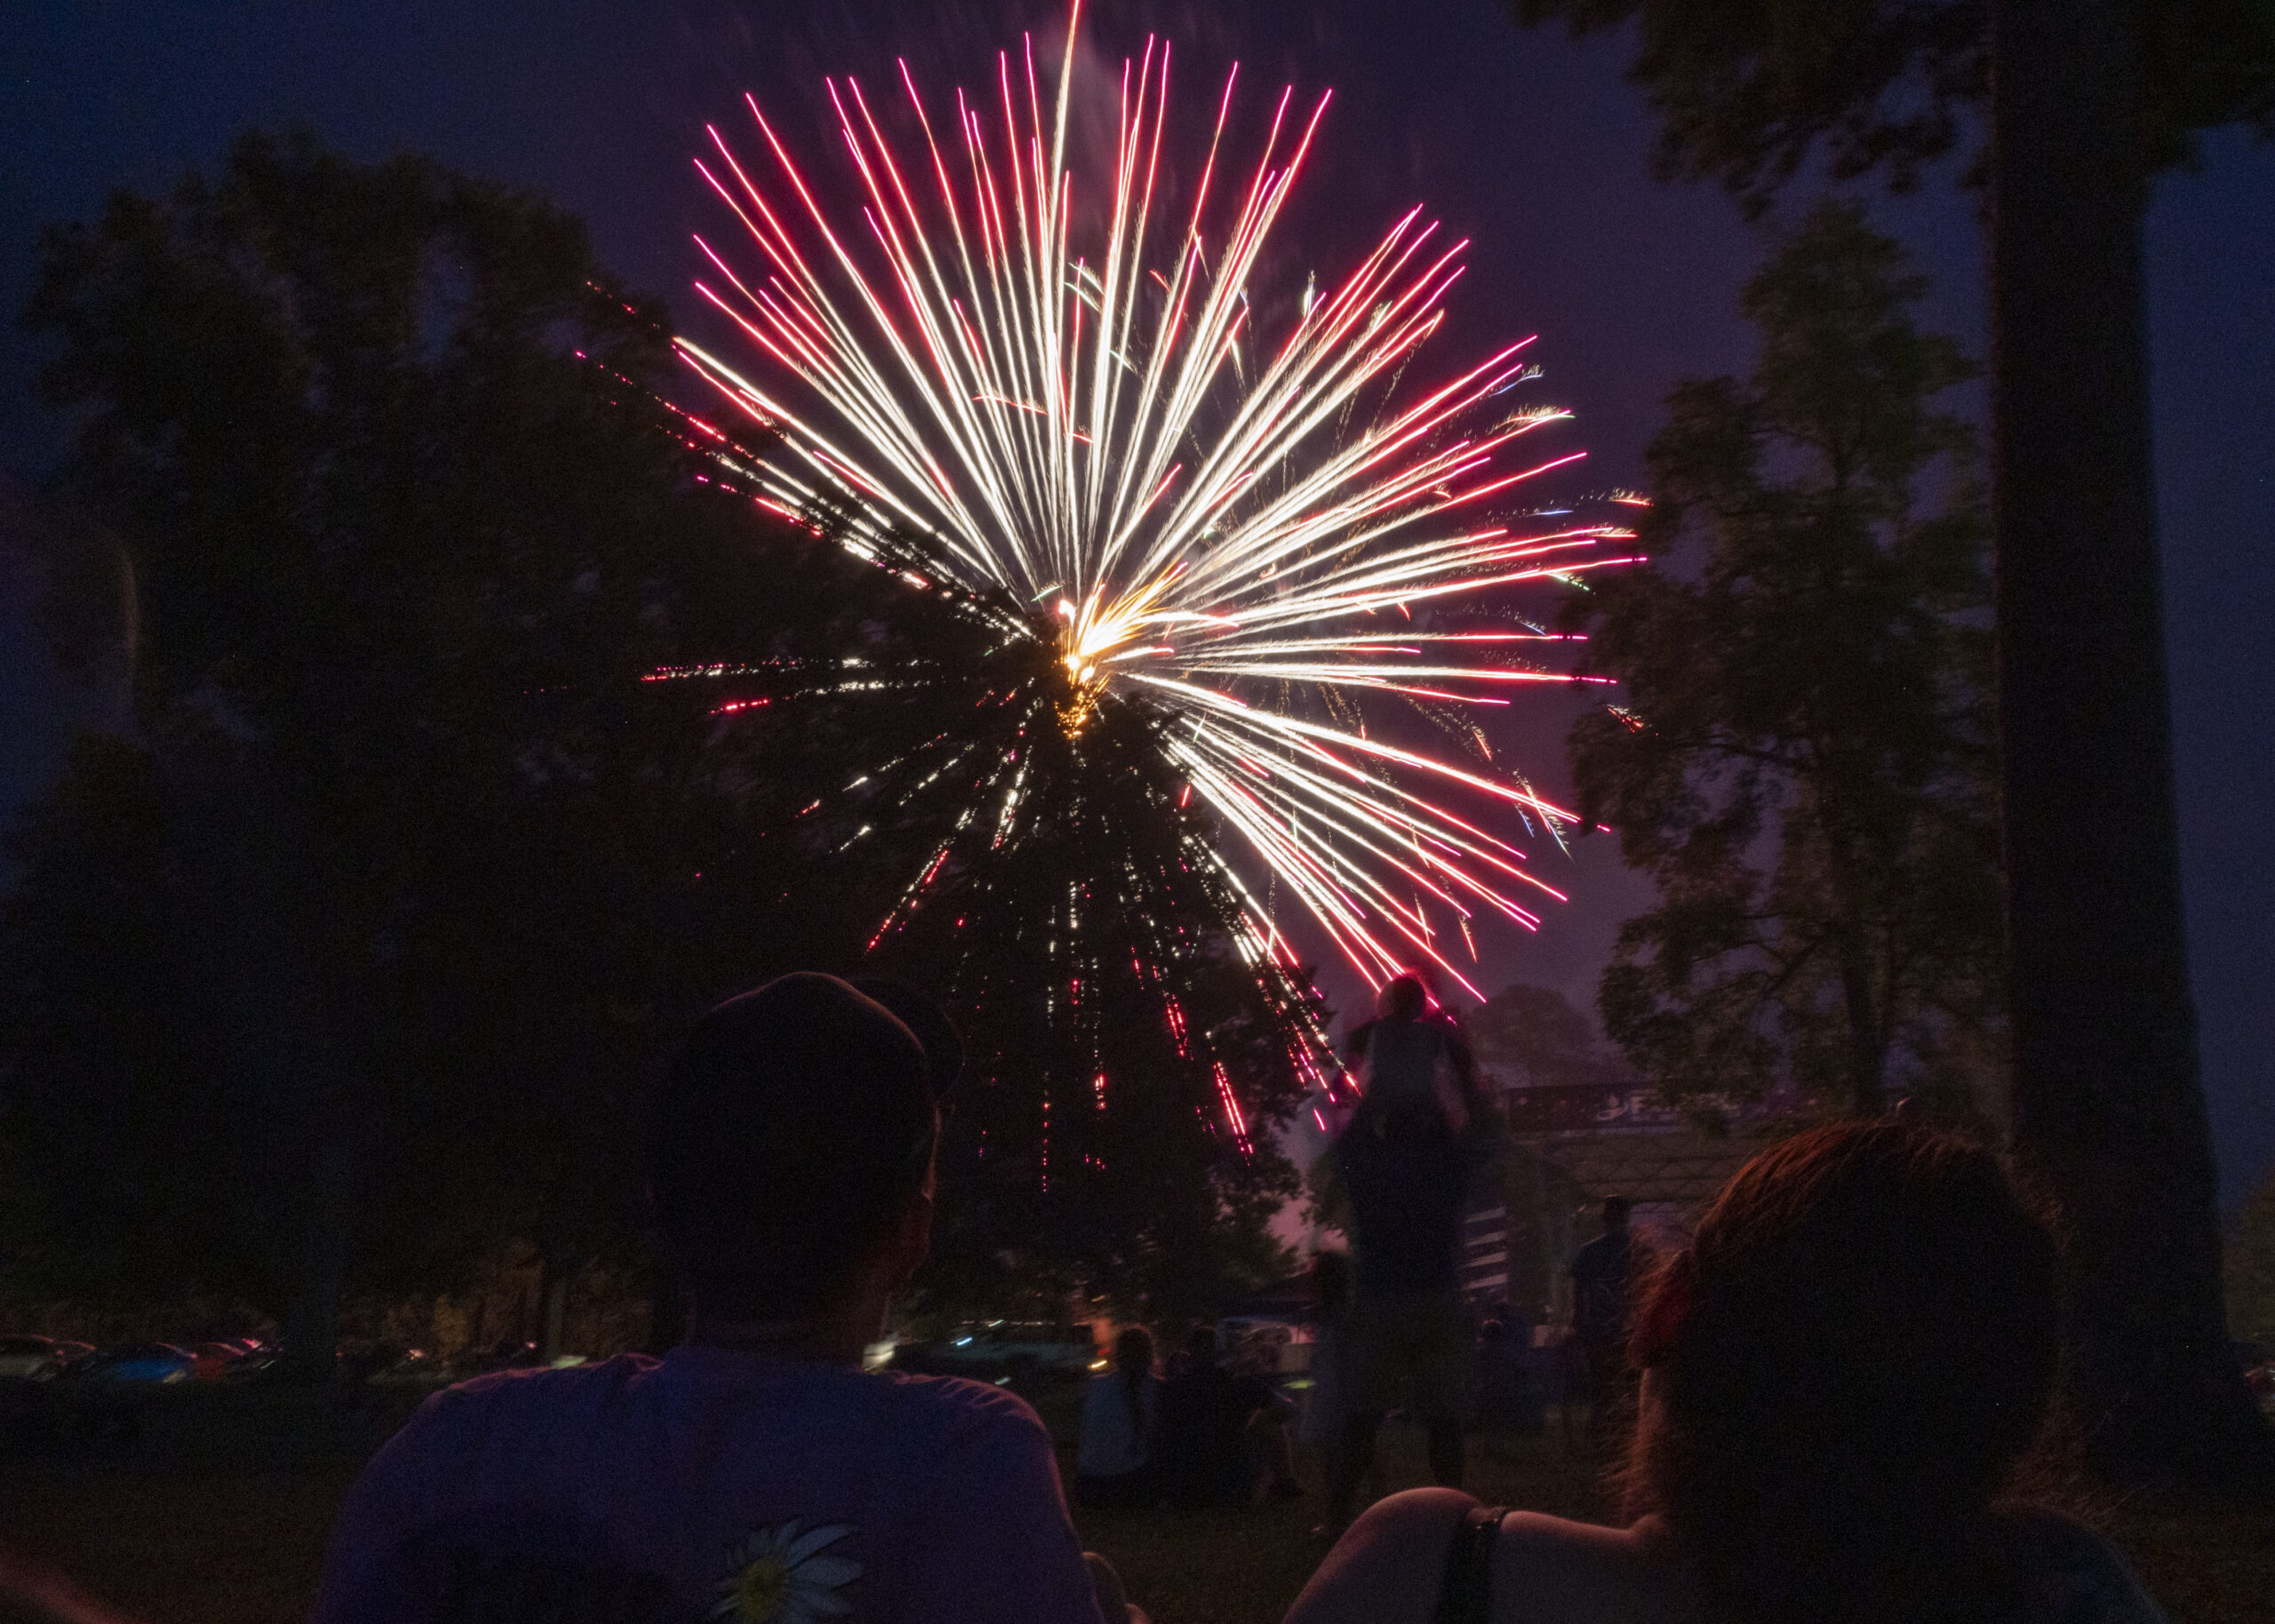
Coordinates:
1534	147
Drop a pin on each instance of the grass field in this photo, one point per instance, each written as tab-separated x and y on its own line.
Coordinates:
229	1543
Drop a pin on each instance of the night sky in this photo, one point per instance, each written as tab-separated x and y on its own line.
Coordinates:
1534	147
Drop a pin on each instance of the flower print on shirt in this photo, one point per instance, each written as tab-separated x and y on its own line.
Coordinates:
780	1576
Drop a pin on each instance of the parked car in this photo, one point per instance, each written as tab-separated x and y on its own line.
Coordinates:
153	1362
30	1359
416	1368
503	1356
216	1360
1007	1349
1273	1349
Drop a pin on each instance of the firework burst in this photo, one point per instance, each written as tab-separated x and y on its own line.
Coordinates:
1079	434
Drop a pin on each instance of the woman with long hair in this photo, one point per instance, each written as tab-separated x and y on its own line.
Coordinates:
1114	1466
1840	1373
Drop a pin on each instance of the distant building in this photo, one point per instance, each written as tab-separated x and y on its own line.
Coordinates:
1570	1146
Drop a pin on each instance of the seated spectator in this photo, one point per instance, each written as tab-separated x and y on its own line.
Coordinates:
756	1472
1840	1374
1114	1466
1208	1457
1271	1435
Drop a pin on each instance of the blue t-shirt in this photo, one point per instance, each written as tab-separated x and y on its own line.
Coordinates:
713	1485
1117	1425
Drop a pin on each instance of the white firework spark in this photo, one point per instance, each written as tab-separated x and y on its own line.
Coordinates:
1206	523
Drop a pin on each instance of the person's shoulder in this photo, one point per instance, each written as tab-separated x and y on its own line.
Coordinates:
1537	1539
508	1392
955	1409
507	1420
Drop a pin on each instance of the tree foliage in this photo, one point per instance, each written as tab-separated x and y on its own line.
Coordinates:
2085	102
1746	91
1802	758
1532	1036
403	531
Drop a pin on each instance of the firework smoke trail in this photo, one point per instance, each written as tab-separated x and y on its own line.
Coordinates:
1203	521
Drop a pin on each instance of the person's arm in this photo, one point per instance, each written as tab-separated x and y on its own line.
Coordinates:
1359	1059
991	1538
1355	1047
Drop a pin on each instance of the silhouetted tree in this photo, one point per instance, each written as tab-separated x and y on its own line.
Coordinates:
1801	759
2249	1262
118	1186
405	531
1532	1036
2088	100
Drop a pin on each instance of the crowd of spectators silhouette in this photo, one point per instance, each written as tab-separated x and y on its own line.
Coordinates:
1838	1376
1205	1438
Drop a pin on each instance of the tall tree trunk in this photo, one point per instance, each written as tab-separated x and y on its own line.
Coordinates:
1867	1036
666	1313
1867	1057
2108	1104
312	1327
553	1295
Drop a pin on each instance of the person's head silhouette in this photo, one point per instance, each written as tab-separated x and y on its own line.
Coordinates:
1842	1368
1404	997
790	1156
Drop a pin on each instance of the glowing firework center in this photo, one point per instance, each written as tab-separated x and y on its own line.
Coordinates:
1262	538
